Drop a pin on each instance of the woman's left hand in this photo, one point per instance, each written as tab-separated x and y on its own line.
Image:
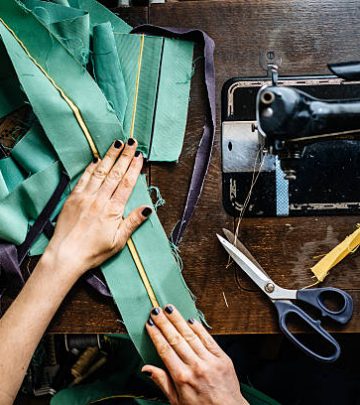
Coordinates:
91	227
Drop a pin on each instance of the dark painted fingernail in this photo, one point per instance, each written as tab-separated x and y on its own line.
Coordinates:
147	373
131	141
137	153
150	322
146	212
169	309
191	321
118	144
156	311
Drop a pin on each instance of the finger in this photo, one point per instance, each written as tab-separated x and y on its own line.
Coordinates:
162	380
167	354
205	337
85	177
131	223
127	184
120	167
104	167
174	338
185	331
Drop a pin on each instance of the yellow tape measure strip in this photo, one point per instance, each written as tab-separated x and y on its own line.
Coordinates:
130	242
92	145
142	272
137	82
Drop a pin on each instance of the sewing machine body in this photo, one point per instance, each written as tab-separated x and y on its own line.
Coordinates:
301	135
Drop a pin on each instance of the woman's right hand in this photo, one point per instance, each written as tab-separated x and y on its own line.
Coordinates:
91	227
199	372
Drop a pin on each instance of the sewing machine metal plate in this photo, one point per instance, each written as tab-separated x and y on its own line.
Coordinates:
328	177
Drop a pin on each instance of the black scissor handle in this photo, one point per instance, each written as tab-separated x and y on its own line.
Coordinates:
316	297
286	308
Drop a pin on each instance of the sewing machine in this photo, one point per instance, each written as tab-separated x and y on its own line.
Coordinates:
290	146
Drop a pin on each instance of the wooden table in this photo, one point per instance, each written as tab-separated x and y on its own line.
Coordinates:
307	35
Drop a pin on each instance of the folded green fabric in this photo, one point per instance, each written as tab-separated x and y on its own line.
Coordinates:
64	96
11	173
70	25
107	69
25	203
33	152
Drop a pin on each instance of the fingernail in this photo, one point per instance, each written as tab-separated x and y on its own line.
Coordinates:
169	309
146	212
118	144
150	322
147	373
131	141
191	321
137	153
156	311
95	160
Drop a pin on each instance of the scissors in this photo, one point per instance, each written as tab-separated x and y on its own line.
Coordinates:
283	299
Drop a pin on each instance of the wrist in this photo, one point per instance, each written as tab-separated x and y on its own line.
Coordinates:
57	260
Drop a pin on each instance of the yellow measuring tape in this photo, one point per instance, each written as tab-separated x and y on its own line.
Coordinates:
339	252
133	116
81	122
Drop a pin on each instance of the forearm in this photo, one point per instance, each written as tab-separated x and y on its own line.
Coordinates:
25	322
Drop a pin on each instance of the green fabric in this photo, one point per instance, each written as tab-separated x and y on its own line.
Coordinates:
56	141
163	97
175	59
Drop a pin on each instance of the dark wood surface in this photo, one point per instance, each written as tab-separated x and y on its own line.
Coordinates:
306	35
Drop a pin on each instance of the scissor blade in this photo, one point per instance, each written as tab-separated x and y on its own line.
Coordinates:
256	274
243	249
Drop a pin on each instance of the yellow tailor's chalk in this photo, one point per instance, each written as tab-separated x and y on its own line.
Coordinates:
348	245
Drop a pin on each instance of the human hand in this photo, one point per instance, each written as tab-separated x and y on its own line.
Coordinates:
90	227
199	372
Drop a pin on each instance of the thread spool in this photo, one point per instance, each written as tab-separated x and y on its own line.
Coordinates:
76	343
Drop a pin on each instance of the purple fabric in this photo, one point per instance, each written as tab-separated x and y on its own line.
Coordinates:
99	285
203	154
10	268
43	219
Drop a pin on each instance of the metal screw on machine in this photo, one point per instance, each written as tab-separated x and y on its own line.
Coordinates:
269	288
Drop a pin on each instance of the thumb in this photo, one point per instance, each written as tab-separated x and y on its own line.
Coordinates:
162	380
132	222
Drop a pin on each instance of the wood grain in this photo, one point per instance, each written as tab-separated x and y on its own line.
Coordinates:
302	34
